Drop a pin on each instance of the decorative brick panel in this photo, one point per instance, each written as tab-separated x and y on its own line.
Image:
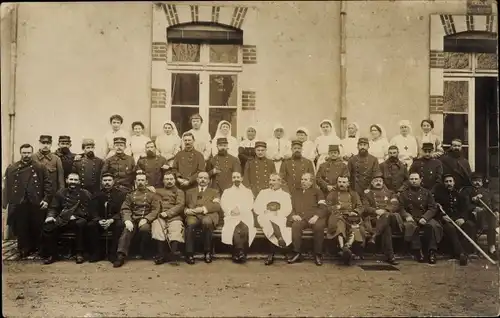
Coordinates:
194	13
215	14
249	54
436	59
159	51
238	17
158	98
248	101
436	104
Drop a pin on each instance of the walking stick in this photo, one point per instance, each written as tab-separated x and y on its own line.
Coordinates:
106	236
487	208
166	234
467	237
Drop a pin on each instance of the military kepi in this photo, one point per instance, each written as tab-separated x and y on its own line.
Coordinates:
107	174
363	140
427	146
222	141
296	142
45	138
88	142
333	148
262	144
476	175
118	140
64	139
378	175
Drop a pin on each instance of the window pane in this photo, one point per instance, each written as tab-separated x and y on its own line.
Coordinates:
223	90
180	116
224	53
493	130
455	126
182	52
456	96
457	60
185	89
493	172
217	114
487	61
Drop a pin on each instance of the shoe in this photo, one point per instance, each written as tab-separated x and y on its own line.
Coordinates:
49	260
392	260
119	261
158	260
94	259
112	258
297	258
190	259
346	256
242	257
79	259
208	258
432	257
317	260
281	243
463	259
269	260
174	259
419	256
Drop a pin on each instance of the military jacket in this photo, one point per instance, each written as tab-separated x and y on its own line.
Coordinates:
27	182
455	204
361	171
418	203
122	166
339	201
257	172
70	202
227	164
187	165
173	201
55	168
292	169
329	171
141	204
89	170
375	199
66	161
111	200
430	170
394	173
152	167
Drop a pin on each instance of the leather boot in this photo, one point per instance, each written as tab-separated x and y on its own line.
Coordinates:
297	258
269	260
119	261
317	260
346	256
432	257
463	259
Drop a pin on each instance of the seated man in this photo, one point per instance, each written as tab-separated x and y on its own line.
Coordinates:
106	205
140	208
238	230
418	210
272	207
381	215
168	228
345	222
458	209
202	209
69	210
308	211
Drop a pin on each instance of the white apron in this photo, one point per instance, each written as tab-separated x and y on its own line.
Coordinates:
242	198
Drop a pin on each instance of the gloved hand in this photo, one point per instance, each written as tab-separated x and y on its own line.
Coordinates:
129	225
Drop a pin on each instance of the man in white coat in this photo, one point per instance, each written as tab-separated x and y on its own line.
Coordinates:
238	230
272	206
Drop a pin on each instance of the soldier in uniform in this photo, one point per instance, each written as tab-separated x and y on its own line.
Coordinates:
330	170
456	165
51	162
89	167
428	167
458	209
152	165
26	193
106	206
140	208
362	167
188	163
292	169
120	165
394	171
64	153
381	215
257	171
69	210
308	211
418	210
221	167
345	222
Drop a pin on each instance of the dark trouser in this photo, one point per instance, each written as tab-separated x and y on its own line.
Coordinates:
458	242
52	231
432	234
318	234
240	237
95	230
487	221
207	226
27	225
383	229
126	237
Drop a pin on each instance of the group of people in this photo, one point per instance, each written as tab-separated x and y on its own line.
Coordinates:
359	190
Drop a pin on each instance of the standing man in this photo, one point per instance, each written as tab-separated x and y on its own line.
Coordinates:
428	167
116	122
238	230
331	169
64	153
394	171
201	137
257	172
121	165
418	210
221	167
140	208
292	169
152	165
309	210
51	162
362	167
89	167
168	228
202	209
188	163
456	165
27	193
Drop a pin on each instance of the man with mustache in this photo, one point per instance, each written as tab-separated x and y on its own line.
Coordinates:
153	165
428	167
221	167
292	169
120	165
26	194
362	167
394	170
256	173
456	165
89	167
64	153
51	162
330	170
188	163
69	209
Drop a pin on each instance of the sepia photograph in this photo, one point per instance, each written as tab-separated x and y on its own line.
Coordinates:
250	158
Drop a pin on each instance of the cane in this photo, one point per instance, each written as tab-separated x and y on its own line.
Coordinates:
467	237
106	236
487	208
166	234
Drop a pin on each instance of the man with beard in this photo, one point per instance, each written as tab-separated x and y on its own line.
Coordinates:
89	167
381	215
418	210
120	165
201	137
26	193
458	209
168	228
309	210
221	167
140	208
292	169
152	165
345	221
394	171
257	172
428	167
362	167
188	163
51	162
64	153
330	170
202	209
456	165
106	206
69	210
273	206
238	230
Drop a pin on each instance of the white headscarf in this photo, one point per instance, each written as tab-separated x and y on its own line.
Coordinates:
278	126
406	122
175	132
357	130
304	129
218	133
247	142
382	133
328	121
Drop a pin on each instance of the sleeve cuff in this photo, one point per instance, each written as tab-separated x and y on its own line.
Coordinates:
205	211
